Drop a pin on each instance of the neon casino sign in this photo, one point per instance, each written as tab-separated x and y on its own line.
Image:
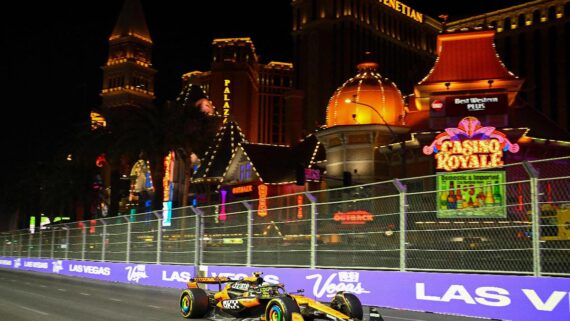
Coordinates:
470	145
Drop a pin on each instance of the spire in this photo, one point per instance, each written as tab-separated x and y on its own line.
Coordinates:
131	22
128	76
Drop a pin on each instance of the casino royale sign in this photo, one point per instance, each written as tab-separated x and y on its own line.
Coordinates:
470	145
469	154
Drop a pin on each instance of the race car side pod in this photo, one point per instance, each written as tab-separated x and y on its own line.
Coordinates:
375	315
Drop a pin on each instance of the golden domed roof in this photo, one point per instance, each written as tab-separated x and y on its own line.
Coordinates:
362	98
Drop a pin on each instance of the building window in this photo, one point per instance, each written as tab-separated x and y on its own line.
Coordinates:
245	172
508	24
521	21
536	16
551	13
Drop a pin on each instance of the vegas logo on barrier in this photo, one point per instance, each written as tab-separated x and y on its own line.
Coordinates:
57	266
347	281
136	272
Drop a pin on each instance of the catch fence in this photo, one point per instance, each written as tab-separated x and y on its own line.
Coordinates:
513	220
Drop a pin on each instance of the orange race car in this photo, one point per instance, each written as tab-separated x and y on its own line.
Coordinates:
252	298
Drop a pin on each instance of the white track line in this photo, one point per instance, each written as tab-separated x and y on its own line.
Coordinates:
33	310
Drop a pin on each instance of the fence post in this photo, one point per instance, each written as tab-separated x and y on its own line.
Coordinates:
403	220
20	244
40	244
30	244
534	194
158	236
249	245
52	247
103	240
128	249
83	241
67	245
198	241
314	215
4	245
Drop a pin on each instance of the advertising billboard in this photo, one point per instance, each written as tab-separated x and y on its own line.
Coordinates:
471	195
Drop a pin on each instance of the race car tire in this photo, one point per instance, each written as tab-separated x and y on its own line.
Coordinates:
348	304
281	309
194	303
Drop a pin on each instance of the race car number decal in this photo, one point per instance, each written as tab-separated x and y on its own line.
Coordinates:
231	304
240	286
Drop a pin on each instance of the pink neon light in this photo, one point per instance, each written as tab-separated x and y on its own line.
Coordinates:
470	128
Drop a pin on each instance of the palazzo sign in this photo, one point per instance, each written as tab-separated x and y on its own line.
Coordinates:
470	145
226	106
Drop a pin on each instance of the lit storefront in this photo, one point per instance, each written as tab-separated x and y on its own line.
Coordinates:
235	170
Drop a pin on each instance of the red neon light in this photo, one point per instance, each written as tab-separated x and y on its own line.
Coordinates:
299	206
262	208
222	217
353	217
242	189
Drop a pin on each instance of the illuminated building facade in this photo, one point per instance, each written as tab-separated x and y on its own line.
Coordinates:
128	87
331	37
372	134
260	97
128	76
534	41
234	169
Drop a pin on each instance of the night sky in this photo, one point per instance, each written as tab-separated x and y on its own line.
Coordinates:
51	53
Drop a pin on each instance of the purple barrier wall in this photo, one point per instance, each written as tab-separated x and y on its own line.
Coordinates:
173	276
517	298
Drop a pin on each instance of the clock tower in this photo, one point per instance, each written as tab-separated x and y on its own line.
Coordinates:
128	76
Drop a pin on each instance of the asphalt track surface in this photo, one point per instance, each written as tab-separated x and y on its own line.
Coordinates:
30	296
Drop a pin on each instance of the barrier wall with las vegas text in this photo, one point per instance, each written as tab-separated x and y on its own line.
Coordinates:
505	297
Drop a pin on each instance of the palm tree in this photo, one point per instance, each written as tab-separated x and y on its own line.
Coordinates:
153	132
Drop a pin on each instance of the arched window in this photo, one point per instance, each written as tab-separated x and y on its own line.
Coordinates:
551	13
536	16
566	14
507	25
521	21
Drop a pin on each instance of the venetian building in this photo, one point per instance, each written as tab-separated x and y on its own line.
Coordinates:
533	40
365	112
330	37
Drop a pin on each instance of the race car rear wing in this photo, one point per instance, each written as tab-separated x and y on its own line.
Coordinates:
212	280
194	282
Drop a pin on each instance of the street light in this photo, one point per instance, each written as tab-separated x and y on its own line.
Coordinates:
353	100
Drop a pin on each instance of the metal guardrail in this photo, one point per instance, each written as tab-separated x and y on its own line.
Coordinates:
392	225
